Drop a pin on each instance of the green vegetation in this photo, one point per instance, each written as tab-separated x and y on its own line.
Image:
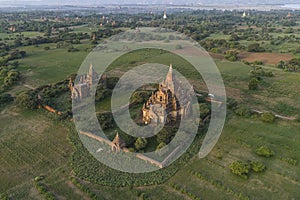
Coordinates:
257	166
253	84
264	151
42	156
239	168
268	117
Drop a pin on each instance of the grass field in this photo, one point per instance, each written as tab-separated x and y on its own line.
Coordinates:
43	67
241	136
283	87
16	35
32	144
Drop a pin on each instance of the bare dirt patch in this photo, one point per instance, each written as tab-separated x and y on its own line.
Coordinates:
267	58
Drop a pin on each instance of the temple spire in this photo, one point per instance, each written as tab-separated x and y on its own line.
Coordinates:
170	79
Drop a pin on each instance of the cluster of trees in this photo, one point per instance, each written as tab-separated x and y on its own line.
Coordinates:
255	48
48	95
245	111
259	72
231	55
28	100
243	169
256	75
9	74
291	66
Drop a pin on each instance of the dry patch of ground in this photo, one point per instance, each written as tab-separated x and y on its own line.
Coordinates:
267	58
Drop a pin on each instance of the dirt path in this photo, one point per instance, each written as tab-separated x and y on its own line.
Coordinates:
278	116
29	86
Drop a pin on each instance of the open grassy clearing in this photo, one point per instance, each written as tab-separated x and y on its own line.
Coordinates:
13	36
43	67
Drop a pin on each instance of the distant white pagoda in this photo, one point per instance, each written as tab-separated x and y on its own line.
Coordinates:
165	15
244	14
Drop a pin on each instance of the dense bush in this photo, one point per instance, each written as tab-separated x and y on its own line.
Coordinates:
106	120
240	168
259	71
140	143
253	84
232	103
268	117
165	136
255	48
28	100
257	166
5	98
231	55
264	151
242	110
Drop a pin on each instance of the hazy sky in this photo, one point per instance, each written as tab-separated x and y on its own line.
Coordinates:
78	2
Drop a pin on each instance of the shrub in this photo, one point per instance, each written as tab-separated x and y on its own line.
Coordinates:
290	161
242	110
240	168
257	166
232	104
106	120
268	117
140	143
253	84
264	151
5	98
232	55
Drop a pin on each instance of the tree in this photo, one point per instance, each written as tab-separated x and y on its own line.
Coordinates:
255	48
204	110
5	98
232	55
106	120
281	64
253	84
140	143
234	37
28	100
161	145
165	136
